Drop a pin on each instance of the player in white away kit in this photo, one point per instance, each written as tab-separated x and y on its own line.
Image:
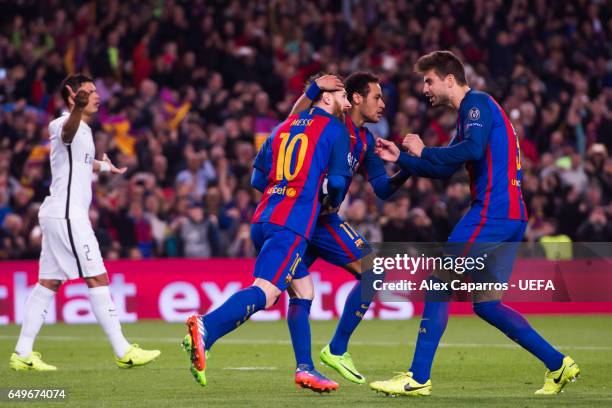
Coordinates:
69	247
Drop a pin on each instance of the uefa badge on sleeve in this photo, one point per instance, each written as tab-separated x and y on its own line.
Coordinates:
474	114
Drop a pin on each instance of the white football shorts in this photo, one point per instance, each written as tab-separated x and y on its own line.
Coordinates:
69	250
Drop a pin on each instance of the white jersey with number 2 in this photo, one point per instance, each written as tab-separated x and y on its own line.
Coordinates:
71	173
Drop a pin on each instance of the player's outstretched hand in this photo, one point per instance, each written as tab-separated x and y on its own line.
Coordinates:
80	99
413	144
113	169
386	150
329	83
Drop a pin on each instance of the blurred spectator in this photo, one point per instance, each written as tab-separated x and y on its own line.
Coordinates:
108	248
242	247
597	228
197	175
396	227
574	176
12	243
199	234
142	229
421	226
357	216
154	216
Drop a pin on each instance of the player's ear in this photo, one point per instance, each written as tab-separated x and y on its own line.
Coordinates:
327	98
357	98
450	81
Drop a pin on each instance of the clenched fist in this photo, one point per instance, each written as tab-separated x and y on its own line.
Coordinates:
413	144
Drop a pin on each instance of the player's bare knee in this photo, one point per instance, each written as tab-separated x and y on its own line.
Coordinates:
354	267
301	295
270	290
271	300
98	280
272	294
308	294
302	288
487	296
51	284
358	267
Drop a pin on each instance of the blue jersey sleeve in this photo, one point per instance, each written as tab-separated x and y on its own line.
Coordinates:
337	186
338	162
372	164
424	168
261	166
259	181
338	170
477	122
263	160
384	186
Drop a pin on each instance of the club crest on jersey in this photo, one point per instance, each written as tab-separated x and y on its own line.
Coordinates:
474	114
353	162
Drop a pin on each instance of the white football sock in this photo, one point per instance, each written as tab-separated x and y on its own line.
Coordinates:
35	312
106	313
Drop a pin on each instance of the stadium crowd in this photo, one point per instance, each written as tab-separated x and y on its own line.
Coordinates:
190	89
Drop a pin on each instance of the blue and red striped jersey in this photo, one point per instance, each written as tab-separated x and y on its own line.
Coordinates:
487	143
361	152
296	157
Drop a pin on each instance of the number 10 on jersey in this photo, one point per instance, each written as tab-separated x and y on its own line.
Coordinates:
285	154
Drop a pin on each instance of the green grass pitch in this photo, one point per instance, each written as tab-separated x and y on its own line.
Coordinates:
475	366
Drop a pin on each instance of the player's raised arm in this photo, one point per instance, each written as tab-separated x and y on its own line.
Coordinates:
324	83
78	101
